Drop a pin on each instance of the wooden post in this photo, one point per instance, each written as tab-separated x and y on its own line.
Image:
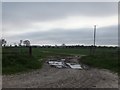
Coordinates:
30	50
91	50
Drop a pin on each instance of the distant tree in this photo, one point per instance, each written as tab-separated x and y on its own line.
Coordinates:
63	45
26	43
3	42
15	44
10	45
20	44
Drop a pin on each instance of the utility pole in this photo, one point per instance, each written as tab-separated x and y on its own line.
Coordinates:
94	34
94	39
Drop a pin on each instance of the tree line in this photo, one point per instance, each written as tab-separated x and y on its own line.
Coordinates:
3	43
23	43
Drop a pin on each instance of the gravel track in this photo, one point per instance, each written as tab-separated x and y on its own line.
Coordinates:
49	77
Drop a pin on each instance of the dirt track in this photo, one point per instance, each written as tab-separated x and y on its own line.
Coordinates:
49	77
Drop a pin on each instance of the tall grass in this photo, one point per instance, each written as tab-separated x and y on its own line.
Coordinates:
14	62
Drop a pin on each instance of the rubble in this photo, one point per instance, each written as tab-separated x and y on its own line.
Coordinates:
74	65
68	62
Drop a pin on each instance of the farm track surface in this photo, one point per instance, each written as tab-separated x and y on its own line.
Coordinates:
50	77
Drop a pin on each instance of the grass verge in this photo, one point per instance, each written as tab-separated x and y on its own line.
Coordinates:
103	61
17	63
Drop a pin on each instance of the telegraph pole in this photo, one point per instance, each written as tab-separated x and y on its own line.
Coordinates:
94	34
94	39
92	48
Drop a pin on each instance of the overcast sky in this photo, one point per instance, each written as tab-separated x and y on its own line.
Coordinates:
62	22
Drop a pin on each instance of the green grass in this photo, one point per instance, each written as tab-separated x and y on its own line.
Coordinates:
104	60
14	63
17	59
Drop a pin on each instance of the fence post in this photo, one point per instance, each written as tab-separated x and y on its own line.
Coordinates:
30	50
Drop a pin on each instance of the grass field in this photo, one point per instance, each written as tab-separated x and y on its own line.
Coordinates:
104	61
17	59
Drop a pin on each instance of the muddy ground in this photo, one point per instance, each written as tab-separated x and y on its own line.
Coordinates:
50	77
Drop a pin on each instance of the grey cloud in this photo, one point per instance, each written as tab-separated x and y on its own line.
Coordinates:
27	11
20	15
105	36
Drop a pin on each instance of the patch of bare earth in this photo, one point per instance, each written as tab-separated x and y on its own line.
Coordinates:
50	77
